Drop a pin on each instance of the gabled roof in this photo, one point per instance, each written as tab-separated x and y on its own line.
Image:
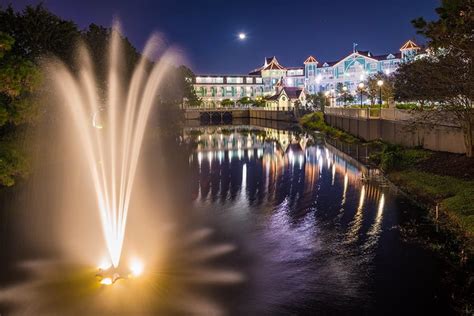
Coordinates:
310	59
292	92
271	63
409	45
388	56
365	54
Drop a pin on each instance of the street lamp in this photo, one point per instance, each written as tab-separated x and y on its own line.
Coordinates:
380	84
361	89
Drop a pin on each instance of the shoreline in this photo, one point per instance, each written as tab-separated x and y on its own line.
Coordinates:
445	236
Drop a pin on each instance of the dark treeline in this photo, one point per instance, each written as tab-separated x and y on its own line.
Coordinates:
33	35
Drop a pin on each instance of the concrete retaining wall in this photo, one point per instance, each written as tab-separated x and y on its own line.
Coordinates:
437	138
247	113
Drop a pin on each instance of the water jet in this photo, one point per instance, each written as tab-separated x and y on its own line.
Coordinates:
111	128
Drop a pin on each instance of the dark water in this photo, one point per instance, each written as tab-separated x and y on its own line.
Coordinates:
313	231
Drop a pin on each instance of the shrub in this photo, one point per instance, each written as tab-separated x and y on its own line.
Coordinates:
406	106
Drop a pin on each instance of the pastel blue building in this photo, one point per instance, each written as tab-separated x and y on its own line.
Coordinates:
312	77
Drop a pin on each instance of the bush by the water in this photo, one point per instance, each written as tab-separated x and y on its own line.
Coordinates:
315	121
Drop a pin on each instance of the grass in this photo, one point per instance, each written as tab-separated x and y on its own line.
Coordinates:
315	121
456	196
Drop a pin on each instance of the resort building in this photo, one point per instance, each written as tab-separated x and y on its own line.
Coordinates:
286	98
273	80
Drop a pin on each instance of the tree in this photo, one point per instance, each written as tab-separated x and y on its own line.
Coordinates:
227	102
19	78
259	102
97	39
246	101
39	33
451	46
373	89
344	95
413	82
318	100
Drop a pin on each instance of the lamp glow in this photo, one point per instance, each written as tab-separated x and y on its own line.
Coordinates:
136	267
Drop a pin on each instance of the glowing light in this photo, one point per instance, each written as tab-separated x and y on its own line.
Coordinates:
106	281
242	36
136	267
113	156
105	265
380	83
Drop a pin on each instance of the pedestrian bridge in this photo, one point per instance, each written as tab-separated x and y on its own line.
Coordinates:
226	115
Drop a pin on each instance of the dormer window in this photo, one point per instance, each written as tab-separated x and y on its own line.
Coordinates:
390	56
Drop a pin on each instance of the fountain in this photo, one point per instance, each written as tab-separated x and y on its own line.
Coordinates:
111	131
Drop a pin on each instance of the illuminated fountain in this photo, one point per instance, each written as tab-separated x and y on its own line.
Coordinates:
111	132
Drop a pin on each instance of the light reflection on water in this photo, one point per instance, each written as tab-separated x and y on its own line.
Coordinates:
279	223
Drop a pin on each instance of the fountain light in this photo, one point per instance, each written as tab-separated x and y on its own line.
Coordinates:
106	281
136	267
105	265
112	147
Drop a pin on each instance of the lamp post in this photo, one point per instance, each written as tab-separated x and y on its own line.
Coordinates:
333	96
380	84
361	89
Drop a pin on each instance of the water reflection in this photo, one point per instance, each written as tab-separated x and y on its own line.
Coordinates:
313	204
271	222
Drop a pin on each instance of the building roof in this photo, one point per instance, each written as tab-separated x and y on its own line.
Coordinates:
385	56
271	63
310	59
409	45
292	92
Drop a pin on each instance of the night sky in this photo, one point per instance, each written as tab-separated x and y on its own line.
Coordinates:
206	31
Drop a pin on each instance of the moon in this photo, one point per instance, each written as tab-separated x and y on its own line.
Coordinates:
242	36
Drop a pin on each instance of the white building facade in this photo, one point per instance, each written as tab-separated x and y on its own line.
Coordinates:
313	76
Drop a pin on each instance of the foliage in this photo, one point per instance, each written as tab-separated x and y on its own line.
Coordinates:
373	90
38	33
245	101
406	106
19	78
317	101
413	82
259	102
315	121
445	76
456	196
394	157
13	162
227	102
97	38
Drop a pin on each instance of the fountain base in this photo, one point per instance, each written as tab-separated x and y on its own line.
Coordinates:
111	275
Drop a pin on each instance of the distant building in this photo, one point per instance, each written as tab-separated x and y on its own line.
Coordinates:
286	98
312	77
